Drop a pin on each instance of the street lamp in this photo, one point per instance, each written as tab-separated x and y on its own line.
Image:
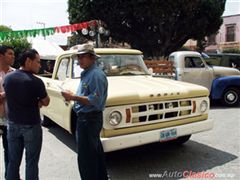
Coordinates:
96	32
43	24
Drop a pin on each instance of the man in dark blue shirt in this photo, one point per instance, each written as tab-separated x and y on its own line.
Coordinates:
25	94
89	104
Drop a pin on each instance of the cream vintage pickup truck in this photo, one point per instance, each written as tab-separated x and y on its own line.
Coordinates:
140	109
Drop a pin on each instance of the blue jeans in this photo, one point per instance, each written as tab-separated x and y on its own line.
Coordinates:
5	147
91	162
20	137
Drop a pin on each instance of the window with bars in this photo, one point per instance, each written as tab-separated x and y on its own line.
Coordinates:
230	32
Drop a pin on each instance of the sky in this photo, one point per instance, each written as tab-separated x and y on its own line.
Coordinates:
232	7
24	14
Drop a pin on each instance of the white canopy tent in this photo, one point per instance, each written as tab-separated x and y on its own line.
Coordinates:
46	49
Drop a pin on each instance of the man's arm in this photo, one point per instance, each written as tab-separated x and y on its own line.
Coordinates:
2	97
44	102
69	96
82	99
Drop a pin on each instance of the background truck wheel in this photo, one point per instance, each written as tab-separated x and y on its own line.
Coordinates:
231	97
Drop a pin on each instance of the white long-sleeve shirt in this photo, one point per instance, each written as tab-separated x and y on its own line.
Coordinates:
3	105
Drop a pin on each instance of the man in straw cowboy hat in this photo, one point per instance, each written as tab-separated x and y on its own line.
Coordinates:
89	104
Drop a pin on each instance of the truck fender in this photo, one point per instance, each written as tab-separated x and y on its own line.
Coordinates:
222	86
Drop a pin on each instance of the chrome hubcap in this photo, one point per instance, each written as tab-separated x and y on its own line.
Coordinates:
231	97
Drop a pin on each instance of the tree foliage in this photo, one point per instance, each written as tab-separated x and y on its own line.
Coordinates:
18	44
5	28
157	27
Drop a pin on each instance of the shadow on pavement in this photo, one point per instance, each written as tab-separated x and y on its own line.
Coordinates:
139	162
218	105
62	135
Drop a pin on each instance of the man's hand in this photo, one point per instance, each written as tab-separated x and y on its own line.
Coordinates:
40	104
68	95
2	97
44	102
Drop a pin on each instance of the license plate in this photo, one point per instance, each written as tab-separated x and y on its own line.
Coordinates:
168	135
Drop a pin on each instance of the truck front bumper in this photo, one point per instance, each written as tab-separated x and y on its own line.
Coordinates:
137	139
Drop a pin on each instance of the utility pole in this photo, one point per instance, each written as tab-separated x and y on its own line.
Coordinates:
1	12
43	24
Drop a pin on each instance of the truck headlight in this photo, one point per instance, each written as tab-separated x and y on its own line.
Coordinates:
203	106
115	118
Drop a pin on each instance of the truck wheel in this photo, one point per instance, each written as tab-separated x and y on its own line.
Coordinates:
231	97
179	141
182	139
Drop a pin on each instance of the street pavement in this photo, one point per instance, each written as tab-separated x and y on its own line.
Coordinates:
58	159
216	152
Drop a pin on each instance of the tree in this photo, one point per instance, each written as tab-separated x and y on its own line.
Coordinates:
5	28
157	27
18	44
201	45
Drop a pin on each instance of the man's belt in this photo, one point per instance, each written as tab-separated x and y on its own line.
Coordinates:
88	113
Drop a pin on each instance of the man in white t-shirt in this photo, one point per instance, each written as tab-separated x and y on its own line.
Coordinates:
6	60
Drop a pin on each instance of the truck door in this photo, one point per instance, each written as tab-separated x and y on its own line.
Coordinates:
58	108
196	71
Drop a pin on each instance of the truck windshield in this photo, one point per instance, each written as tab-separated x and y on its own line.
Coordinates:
119	65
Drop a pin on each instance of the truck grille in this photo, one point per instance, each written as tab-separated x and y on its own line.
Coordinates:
162	111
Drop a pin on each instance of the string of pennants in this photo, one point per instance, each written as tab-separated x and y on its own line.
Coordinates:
47	31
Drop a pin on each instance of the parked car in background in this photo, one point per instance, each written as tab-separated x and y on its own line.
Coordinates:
222	82
189	66
224	59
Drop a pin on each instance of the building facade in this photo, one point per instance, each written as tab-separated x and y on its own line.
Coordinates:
228	36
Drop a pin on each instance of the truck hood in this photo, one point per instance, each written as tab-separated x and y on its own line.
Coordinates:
224	71
142	89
